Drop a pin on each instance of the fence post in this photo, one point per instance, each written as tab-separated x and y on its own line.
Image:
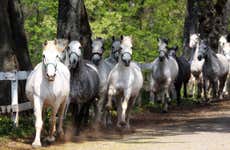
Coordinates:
14	101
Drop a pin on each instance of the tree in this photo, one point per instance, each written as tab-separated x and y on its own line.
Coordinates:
209	18
73	24
13	44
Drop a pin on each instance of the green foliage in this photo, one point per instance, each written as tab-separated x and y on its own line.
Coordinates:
25	129
40	24
144	20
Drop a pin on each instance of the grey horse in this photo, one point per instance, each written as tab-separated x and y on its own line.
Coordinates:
84	87
164	73
104	68
115	52
183	75
124	82
215	69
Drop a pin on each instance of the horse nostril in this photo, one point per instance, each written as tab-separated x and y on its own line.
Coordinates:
74	61
199	57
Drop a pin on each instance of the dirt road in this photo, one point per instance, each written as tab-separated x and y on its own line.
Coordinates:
205	127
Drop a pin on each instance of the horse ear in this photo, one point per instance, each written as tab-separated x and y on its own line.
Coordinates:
175	48
166	40
45	43
122	37
158	39
228	37
113	38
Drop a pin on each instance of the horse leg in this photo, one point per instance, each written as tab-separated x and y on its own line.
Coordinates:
51	137
165	98
221	86
214	87
76	117
199	87
61	115
119	111
130	106
185	90
124	106
38	104
99	109
178	88
86	113
205	88
111	92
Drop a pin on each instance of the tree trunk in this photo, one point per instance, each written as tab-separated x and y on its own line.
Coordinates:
190	25
212	21
73	24
13	45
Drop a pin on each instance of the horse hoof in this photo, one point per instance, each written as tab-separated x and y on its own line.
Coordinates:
164	111
108	107
122	123
50	139
61	135
36	144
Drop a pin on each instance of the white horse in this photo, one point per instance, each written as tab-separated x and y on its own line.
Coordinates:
196	65
222	42
48	85
225	50
124	82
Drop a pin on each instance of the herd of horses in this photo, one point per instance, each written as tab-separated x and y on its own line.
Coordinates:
67	82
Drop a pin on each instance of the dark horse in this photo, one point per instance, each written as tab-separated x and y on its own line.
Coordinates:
183	75
84	83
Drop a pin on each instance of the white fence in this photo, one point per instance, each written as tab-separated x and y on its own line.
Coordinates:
15	108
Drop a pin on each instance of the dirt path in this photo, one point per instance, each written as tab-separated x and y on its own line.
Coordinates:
188	128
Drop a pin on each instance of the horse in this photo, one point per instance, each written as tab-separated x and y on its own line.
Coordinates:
196	65
48	85
183	75
215	69
104	68
222	41
224	45
84	87
124	82
164	73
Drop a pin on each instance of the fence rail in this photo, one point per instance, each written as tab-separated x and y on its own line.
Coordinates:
15	108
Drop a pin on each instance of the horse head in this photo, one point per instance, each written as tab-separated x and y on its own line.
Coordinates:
50	57
193	40
203	50
74	53
172	51
97	50
115	49
126	50
162	48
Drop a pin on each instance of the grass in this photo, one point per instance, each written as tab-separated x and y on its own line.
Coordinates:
8	130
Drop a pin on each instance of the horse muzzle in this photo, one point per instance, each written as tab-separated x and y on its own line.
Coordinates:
96	59
126	58
127	62
199	57
51	78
